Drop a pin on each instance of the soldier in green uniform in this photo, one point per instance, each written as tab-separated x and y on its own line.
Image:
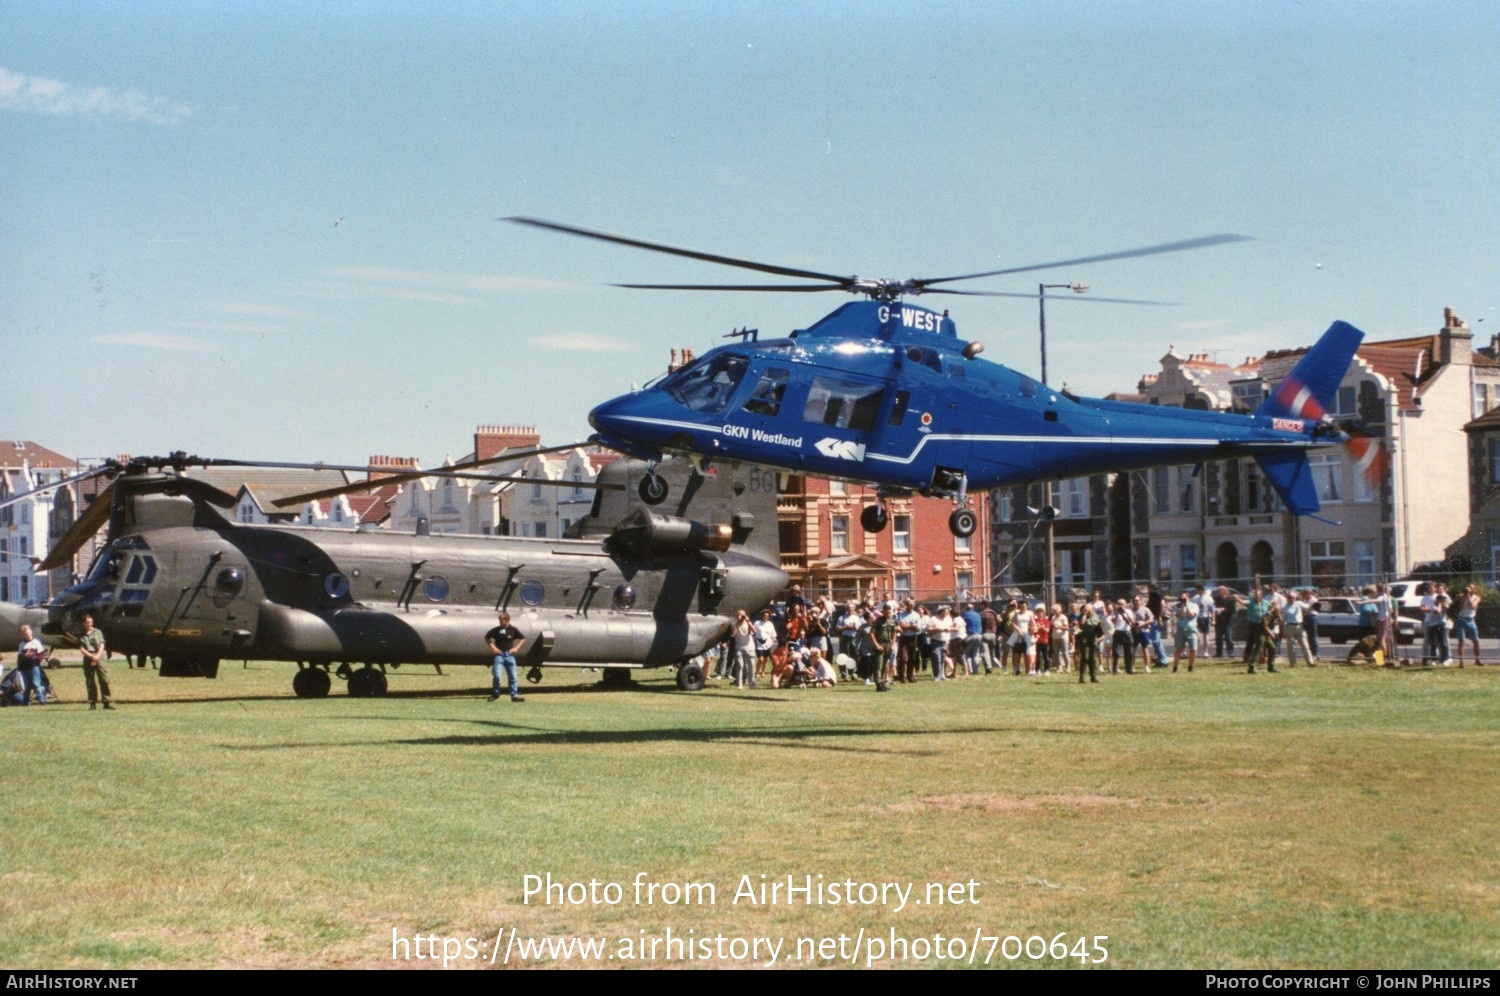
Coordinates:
1090	632
94	675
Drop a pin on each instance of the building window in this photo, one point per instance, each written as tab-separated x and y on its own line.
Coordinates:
1344	403
1076	501
963	544
1481	400
1325	561
901	533
1187	556
1327	468
1187	490
1004	504
1495	459
4	551
903	584
1364	562
1163	564
838	531
1161	491
965	585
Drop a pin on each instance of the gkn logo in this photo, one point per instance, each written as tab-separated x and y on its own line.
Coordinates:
841	449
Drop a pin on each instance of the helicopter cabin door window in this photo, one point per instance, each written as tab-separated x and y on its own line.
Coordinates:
708	385
846	404
765	399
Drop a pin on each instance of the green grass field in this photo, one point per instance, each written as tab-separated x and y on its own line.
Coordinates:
1340	817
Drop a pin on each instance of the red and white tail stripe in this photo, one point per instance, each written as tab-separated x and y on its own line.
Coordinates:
1298	400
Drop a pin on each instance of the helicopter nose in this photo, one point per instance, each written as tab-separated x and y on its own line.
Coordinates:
13	617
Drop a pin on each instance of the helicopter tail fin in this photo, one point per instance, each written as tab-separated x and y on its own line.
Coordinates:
1304	397
1291	476
1307	392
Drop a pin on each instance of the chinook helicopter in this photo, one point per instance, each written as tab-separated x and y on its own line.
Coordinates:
633	588
886	394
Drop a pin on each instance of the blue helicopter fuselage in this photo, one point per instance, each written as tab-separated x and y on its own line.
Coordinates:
884	393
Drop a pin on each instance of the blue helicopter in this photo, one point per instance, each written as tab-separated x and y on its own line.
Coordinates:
885	393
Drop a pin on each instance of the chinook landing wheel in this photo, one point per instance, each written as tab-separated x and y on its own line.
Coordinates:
653	489
311	683
534	676
874	518
690	677
367	682
963	522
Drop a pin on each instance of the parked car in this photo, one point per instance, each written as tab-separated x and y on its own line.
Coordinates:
1338	621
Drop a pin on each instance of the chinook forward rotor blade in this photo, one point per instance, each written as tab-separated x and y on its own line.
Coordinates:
80	532
840	282
401	477
1202	242
110	468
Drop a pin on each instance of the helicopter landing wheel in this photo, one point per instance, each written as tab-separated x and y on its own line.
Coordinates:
311	683
653	489
690	677
534	676
367	682
963	522
874	518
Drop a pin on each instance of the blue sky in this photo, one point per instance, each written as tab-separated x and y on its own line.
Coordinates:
174	277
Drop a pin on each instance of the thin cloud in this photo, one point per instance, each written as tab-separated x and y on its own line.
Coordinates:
471	282
580	342
258	310
40	95
154	340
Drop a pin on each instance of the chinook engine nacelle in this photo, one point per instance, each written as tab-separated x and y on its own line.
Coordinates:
644	532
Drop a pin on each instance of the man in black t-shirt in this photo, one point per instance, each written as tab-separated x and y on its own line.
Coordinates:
504	640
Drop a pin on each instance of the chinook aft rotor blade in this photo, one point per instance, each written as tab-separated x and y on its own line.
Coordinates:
109	469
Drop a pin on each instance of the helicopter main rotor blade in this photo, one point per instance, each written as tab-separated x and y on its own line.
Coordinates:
708	257
109	468
1033	297
1202	242
83	529
403	476
798	288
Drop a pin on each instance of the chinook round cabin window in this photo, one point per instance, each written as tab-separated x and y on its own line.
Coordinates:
435	589
532	592
336	586
624	596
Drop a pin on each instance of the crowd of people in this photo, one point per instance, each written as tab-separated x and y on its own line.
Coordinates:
820	642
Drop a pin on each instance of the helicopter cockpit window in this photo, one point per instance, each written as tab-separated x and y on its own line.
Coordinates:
898	407
847	404
107	567
769	390
142	570
707	385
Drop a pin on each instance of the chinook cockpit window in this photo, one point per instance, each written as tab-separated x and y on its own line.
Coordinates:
847	404
707	385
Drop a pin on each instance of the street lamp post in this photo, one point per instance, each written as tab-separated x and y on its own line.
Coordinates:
1049	583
